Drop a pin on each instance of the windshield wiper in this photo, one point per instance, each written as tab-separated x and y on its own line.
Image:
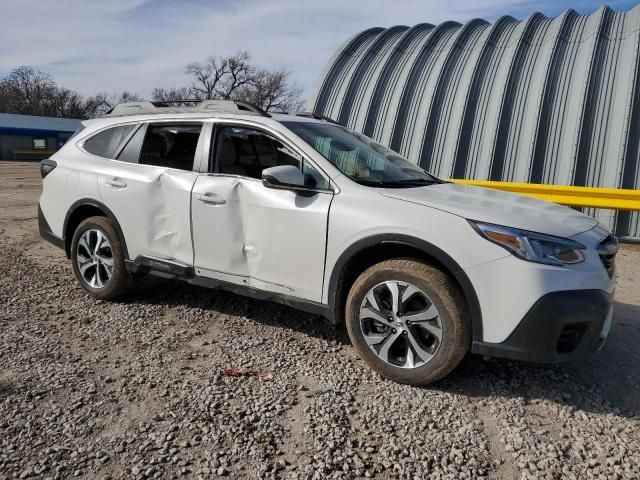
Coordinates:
417	181
375	183
408	182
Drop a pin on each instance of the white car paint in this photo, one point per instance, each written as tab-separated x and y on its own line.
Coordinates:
257	236
497	207
159	225
234	229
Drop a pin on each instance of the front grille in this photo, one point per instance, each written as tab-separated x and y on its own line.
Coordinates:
607	249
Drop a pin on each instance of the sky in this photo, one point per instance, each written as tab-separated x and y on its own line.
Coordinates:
113	45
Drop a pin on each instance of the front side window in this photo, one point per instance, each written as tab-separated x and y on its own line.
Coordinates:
172	146
106	143
247	152
359	157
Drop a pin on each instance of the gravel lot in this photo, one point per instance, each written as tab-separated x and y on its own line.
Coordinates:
135	388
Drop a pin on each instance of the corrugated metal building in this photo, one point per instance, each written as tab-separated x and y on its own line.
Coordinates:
28	137
544	100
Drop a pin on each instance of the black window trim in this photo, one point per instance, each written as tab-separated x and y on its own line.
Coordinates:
121	147
213	167
137	124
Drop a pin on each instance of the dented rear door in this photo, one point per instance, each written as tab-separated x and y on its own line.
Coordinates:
152	203
152	206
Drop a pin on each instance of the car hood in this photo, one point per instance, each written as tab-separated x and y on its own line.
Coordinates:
497	207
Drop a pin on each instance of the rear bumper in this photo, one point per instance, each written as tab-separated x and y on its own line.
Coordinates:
561	326
45	231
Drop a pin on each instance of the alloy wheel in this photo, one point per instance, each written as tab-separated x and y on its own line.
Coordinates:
94	257
400	324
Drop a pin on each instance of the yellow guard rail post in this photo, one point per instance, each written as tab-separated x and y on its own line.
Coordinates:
588	197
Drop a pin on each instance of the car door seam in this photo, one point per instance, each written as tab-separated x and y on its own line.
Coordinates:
326	248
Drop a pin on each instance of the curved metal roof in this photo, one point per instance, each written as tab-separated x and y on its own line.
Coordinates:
542	100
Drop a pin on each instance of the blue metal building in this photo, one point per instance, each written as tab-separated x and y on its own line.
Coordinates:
27	137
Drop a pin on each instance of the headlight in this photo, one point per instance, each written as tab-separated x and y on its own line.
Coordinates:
531	246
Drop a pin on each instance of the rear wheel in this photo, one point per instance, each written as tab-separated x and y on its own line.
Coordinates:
98	259
408	321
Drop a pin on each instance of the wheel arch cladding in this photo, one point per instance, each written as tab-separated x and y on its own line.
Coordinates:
83	209
371	250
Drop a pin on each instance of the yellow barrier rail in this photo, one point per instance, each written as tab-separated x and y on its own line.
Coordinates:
590	197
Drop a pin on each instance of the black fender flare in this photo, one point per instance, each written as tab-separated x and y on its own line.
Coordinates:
92	202
429	249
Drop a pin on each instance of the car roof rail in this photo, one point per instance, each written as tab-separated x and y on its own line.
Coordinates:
242	105
166	103
317	116
219	106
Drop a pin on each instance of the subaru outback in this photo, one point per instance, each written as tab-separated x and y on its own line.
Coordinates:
297	209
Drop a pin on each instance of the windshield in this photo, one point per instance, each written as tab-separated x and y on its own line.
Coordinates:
359	157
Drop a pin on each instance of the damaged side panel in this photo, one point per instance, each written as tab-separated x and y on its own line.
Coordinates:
218	233
152	205
260	237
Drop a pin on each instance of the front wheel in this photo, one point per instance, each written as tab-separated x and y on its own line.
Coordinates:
408	321
98	259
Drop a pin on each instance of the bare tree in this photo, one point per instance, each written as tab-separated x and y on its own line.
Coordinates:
97	105
173	95
66	103
28	91
103	102
220	77
234	77
239	74
204	78
127	96
272	91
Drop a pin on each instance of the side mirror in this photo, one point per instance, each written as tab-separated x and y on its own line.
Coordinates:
284	177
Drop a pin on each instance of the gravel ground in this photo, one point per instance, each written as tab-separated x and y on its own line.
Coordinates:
135	388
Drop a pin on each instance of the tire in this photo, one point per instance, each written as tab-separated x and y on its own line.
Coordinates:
104	286
433	347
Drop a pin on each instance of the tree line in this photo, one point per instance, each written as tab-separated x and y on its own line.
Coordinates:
29	91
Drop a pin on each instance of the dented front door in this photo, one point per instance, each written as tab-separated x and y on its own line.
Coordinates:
260	237
152	206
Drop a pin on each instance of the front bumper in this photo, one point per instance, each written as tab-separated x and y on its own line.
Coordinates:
561	326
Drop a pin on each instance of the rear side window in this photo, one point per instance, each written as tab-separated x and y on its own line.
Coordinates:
172	146
105	144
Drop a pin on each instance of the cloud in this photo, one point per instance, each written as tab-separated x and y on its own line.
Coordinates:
137	45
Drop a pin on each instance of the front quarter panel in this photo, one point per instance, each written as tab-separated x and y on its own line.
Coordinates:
361	212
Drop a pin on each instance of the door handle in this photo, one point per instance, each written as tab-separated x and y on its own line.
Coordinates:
116	183
211	198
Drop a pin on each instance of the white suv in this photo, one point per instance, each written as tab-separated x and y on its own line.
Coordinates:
297	209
